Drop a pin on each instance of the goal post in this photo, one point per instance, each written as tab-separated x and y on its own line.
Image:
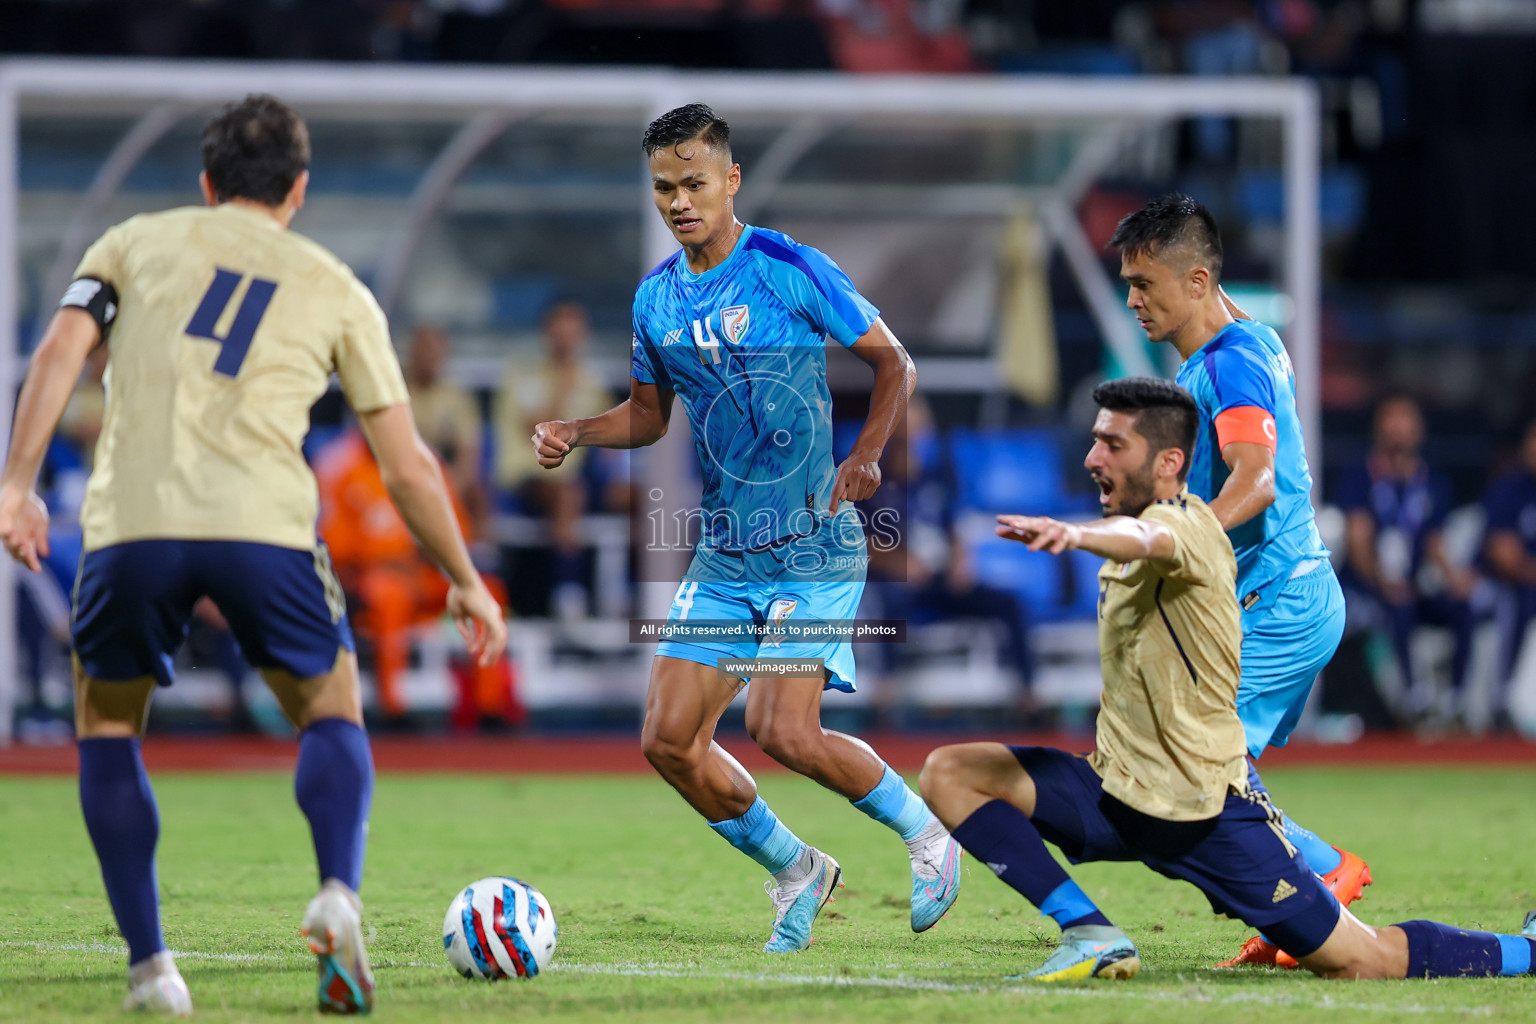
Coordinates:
1094	119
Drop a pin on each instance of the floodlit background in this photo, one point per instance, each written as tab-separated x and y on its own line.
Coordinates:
478	163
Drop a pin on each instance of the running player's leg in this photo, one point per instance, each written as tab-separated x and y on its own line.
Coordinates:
784	719
132	604
287	610
1001	803
686	697
333	784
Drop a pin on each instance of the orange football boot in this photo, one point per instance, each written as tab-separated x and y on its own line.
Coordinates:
1347	882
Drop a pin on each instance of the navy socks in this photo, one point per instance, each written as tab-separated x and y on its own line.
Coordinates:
333	784
1000	836
124	824
1440	951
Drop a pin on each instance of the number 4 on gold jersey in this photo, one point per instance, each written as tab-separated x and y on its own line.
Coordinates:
236	342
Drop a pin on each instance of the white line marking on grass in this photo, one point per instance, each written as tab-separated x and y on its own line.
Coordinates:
1192	993
116	950
1326	1002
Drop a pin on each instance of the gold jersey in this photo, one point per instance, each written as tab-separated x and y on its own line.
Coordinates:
227	332
1169	739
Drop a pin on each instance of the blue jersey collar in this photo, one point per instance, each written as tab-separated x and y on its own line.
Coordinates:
718	269
1219	339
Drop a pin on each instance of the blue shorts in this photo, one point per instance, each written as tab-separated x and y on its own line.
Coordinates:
1286	643
133	602
1240	859
753	602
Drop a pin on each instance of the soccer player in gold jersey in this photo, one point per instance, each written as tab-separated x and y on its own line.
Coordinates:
1168	784
223	328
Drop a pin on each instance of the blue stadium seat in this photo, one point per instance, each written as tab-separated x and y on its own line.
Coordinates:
520	301
1034	576
1008	470
1084	597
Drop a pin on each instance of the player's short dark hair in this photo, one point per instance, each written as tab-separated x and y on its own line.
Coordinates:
1165	414
1174	221
255	149
681	124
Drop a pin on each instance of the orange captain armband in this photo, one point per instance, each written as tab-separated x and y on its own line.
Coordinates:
1246	424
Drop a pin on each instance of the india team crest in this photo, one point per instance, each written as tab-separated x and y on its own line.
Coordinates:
734	321
782	607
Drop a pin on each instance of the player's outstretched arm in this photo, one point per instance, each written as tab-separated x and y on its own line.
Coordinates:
1251	487
415	483
895	378
1119	538
50	381
639	420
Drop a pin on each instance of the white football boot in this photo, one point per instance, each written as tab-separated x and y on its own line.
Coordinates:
156	986
333	924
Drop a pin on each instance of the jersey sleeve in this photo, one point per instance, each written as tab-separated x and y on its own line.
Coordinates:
1245	398
1194	550
644	359
365	357
103	260
816	288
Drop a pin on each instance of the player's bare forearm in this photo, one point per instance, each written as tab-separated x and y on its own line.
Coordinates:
51	377
626	425
1118	538
639	420
1251	487
414	480
895	380
858	477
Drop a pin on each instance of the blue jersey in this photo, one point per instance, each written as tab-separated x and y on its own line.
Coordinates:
1245	365
743	345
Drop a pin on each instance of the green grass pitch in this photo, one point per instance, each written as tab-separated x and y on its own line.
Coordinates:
661	921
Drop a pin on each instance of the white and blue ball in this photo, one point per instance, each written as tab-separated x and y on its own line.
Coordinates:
499	928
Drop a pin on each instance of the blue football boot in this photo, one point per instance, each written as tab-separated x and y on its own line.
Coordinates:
1088	951
796	905
935	879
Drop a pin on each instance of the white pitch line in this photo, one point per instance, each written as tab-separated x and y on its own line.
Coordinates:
683	970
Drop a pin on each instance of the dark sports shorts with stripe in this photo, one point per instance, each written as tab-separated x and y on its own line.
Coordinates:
1240	859
133	602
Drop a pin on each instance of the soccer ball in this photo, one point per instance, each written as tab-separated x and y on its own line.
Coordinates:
499	928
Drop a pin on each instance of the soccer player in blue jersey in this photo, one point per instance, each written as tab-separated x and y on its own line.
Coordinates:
1250	464
735	324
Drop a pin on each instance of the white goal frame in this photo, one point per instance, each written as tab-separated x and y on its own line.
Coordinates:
483	100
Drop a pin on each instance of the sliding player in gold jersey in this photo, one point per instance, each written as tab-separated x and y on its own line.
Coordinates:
1168	784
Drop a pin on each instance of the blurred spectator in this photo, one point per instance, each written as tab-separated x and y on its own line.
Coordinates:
559	385
928	575
1509	547
446	414
391	585
1396	507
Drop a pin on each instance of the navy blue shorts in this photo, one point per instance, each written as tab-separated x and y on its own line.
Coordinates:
133	602
1240	859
